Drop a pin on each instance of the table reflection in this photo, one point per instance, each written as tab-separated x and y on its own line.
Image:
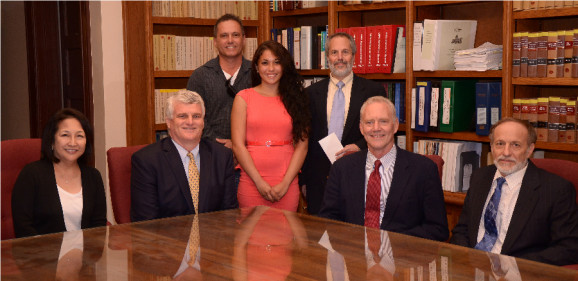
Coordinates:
255	244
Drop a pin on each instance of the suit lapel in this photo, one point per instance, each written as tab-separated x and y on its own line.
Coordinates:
355	101
526	202
176	165
478	201
206	155
321	103
399	180
357	178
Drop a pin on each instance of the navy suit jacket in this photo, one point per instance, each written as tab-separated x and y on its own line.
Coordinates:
316	166
160	188
415	204
544	225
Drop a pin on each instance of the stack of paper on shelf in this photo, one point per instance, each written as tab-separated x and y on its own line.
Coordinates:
485	57
441	39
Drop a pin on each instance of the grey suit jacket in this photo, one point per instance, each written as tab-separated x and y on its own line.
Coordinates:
544	225
160	188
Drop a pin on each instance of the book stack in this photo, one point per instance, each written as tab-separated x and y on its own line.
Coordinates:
543	4
277	5
173	52
161	96
380	49
553	117
245	10
436	41
460	160
545	54
444	106
485	57
305	43
395	92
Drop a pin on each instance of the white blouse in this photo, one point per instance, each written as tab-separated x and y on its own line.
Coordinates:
71	208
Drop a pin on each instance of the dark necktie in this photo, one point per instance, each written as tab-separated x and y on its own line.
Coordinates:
372	197
491	233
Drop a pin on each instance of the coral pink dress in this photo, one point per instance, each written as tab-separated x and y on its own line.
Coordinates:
269	141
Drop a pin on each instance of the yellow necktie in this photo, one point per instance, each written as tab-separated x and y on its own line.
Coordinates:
194	241
194	181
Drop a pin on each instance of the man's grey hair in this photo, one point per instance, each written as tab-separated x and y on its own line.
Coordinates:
376	99
186	97
345	35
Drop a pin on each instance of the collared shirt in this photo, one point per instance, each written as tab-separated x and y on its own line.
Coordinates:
348	80
185	159
508	199
385	172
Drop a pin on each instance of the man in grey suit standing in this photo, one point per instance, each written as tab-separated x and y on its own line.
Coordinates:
335	103
220	79
515	208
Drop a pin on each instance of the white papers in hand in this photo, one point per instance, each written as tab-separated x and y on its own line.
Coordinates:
331	145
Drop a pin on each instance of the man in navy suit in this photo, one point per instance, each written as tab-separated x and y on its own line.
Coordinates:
341	55
160	171
535	213
404	194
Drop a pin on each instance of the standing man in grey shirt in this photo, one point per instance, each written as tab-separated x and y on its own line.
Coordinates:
219	80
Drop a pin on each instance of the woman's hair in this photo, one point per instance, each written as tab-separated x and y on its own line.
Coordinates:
47	152
291	90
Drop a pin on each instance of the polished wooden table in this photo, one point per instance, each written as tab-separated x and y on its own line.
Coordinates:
254	244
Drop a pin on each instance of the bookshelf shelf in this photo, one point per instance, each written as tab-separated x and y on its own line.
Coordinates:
401	127
173	74
565	147
437	3
458	74
545	81
160	127
298	12
369	7
314	72
545	13
384	76
195	21
464	136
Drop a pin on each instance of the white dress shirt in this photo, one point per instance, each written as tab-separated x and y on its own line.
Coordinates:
185	159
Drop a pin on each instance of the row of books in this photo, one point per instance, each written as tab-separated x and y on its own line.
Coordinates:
356	2
553	117
380	49
245	10
455	105
161	96
436	41
543	4
460	160
395	92
286	5
305	43
172	52
545	54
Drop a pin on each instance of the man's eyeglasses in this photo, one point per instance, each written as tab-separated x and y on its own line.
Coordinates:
230	90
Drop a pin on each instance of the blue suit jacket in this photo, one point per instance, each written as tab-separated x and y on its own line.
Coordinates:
159	185
544	225
415	204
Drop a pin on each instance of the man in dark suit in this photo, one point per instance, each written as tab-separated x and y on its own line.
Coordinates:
182	174
384	186
355	90
516	209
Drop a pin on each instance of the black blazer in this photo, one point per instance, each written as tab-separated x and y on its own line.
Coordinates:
316	166
36	207
415	204
159	185
544	225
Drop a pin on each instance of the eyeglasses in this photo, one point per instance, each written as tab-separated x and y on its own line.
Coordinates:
230	90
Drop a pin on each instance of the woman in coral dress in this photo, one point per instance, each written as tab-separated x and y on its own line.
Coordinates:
269	130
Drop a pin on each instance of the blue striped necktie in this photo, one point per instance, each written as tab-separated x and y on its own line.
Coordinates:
491	233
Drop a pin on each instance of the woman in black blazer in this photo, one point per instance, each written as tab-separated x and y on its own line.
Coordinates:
60	192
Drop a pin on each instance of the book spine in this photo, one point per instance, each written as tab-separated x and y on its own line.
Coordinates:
533	112
524	54
516	53
571	121
560	54
517	108
542	54
552	53
533	54
553	118
542	129
575	54
568	42
562	121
